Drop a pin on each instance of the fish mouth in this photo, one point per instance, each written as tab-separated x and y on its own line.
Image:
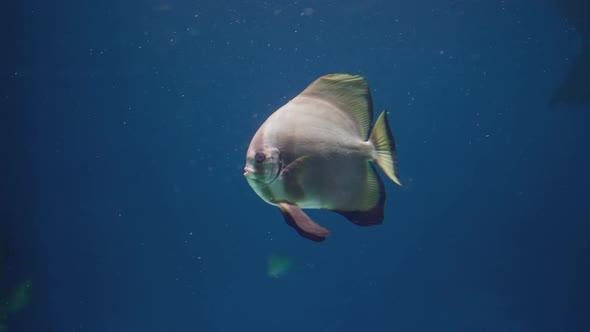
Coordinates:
250	173
248	170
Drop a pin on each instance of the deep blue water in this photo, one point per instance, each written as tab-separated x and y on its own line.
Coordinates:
124	131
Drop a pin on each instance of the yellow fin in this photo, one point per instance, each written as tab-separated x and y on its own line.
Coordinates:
371	200
350	93
385	150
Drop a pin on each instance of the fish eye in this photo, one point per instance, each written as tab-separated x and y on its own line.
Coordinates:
259	157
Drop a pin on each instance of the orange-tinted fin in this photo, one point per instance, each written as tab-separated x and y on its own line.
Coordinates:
296	218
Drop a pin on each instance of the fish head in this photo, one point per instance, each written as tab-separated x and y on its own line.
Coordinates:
263	165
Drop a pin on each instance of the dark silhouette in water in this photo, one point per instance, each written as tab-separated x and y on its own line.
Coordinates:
575	88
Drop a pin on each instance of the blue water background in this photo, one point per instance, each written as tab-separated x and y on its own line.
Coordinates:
125	126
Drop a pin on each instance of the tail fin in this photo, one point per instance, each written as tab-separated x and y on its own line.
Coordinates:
384	143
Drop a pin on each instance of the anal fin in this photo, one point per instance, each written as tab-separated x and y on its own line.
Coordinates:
375	190
307	228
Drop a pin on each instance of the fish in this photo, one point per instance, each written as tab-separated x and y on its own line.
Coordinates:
319	151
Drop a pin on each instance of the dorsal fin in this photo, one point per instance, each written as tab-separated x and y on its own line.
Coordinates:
349	93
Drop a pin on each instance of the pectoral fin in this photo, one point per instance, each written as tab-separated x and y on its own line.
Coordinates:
294	168
296	218
290	177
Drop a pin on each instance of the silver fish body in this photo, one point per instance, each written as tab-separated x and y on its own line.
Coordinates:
316	152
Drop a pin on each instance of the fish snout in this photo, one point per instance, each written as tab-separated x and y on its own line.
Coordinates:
248	170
